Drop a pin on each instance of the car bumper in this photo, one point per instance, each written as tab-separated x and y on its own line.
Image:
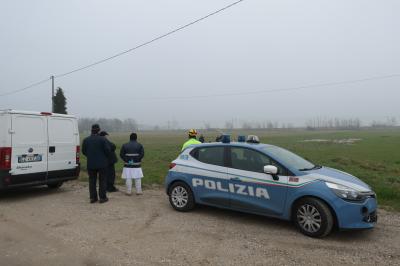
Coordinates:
353	215
8	181
4	178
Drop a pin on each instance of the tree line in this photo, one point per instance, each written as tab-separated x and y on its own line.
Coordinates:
333	123
129	125
126	125
108	124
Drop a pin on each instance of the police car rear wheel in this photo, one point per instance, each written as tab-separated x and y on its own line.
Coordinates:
313	217
181	197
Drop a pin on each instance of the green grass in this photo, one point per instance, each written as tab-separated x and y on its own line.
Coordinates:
375	158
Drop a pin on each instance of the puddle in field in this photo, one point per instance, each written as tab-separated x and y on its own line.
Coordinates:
335	141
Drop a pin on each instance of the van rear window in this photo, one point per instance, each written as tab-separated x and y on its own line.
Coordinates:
61	131
29	130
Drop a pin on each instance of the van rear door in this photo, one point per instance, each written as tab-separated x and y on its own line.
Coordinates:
63	142
29	149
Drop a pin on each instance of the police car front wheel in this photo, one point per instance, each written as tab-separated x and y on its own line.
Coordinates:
313	217
181	197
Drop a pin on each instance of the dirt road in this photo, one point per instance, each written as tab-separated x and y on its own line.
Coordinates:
43	227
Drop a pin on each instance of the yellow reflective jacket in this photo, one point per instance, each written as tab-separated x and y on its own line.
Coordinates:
190	142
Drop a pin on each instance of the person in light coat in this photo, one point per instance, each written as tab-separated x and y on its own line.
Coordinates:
132	154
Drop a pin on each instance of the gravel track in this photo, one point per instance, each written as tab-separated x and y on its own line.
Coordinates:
39	226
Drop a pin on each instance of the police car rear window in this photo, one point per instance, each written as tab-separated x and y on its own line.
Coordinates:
209	155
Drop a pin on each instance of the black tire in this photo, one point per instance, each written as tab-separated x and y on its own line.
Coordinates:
55	185
313	217
181	197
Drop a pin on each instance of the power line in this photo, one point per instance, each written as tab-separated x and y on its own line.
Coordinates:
129	50
148	42
199	96
328	84
25	88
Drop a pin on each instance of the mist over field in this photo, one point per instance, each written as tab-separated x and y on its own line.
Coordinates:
258	125
186	78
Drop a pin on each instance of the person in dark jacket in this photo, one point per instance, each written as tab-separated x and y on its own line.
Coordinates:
97	152
112	160
201	138
132	154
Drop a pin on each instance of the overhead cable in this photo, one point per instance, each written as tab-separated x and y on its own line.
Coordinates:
126	51
244	93
25	88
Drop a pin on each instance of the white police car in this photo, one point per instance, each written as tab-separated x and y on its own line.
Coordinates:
271	181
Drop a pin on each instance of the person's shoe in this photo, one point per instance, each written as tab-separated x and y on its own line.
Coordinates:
103	200
128	193
93	200
113	189
139	193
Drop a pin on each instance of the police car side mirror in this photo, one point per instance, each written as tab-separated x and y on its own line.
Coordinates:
271	170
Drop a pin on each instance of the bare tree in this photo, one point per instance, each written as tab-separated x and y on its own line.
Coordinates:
336	123
207	125
246	125
114	124
229	124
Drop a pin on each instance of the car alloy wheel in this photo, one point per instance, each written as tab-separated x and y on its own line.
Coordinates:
309	218
313	217
179	197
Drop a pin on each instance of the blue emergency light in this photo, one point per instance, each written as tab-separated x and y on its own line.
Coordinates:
241	138
226	139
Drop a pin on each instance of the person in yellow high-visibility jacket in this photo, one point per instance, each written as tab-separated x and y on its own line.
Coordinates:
192	139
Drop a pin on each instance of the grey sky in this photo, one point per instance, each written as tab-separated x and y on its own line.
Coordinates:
256	45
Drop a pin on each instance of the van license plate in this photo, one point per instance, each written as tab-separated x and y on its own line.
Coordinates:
29	158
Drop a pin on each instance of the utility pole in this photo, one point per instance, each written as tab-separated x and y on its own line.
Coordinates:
52	93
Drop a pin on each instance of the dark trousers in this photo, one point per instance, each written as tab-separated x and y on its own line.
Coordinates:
110	176
102	174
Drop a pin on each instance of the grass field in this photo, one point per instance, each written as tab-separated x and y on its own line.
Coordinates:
374	158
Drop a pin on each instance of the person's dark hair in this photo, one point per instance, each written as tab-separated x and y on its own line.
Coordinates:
103	133
133	136
95	128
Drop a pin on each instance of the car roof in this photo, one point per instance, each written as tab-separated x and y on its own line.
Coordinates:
256	146
11	111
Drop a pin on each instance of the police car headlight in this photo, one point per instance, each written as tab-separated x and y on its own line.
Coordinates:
346	193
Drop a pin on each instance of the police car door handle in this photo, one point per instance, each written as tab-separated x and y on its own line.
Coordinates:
236	179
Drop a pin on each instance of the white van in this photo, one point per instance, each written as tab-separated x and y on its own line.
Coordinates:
38	148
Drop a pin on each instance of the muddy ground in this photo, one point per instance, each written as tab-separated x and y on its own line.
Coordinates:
39	226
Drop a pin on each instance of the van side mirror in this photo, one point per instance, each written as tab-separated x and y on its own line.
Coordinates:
271	170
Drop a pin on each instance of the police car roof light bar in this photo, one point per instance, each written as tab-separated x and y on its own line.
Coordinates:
226	139
241	138
252	139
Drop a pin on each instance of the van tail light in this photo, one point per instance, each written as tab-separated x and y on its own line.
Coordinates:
78	154
46	113
5	158
172	165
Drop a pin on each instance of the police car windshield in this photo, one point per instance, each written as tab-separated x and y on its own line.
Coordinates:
288	158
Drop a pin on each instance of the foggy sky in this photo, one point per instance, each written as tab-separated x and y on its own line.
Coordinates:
256	45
